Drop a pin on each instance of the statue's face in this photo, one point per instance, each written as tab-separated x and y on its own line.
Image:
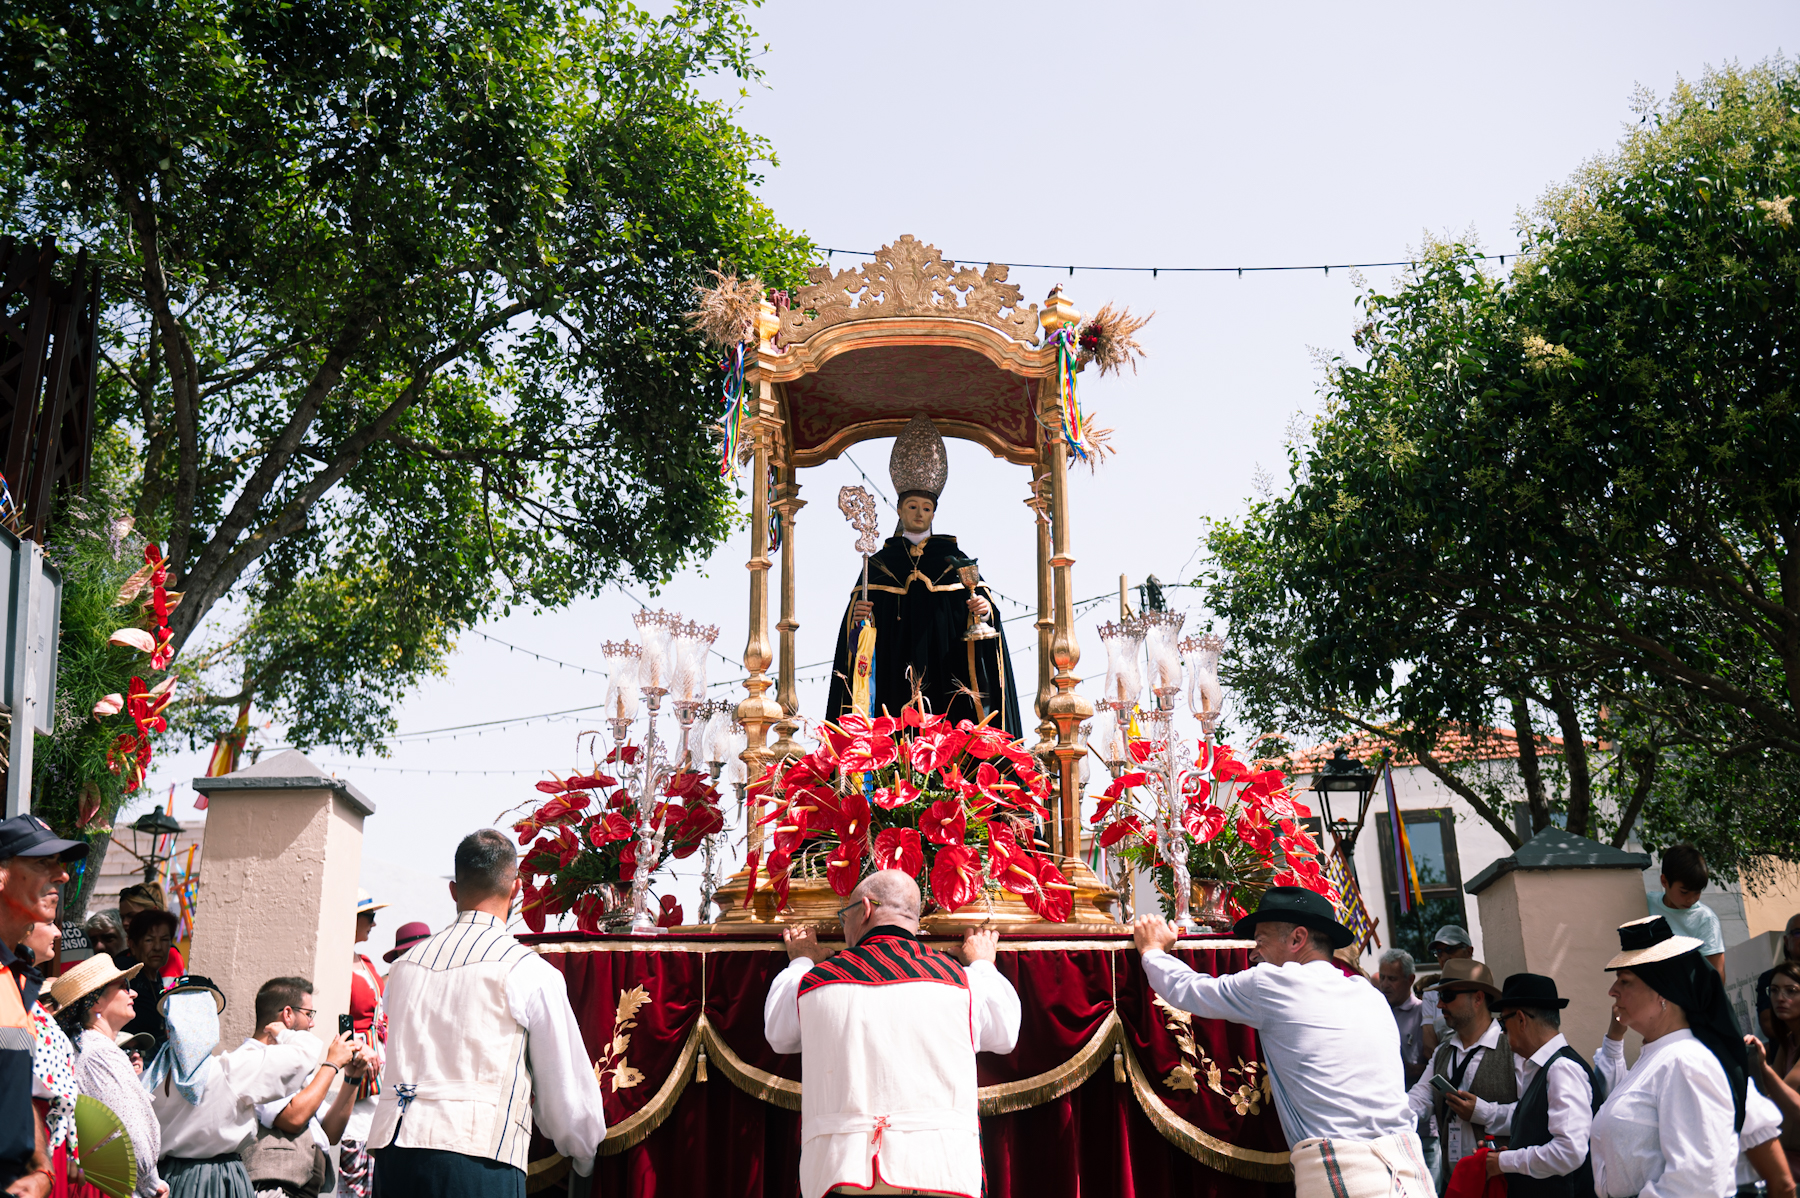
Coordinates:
916	512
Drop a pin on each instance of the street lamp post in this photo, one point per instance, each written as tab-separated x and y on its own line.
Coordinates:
1344	776
156	824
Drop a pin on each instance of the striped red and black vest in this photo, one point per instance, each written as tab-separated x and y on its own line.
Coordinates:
885	956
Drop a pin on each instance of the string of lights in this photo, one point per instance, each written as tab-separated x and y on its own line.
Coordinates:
1155	271
566	665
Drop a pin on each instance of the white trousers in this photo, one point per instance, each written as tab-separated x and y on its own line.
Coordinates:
1391	1167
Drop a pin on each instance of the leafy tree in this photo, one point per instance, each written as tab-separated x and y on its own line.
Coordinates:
1572	490
395	298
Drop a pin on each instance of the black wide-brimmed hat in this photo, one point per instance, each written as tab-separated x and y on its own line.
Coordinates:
1532	990
1296	905
191	983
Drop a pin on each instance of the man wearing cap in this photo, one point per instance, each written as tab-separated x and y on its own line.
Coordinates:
33	863
1450	943
355	1168
1547	1128
1333	1048
1475	1062
207	1104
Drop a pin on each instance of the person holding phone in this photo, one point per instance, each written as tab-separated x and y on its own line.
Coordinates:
291	1157
1474	1065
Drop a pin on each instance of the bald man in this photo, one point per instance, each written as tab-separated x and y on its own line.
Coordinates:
887	1031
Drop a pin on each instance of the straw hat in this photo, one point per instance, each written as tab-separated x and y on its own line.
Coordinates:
90	975
366	904
1649	939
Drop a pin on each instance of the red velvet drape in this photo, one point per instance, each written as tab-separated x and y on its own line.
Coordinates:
722	1142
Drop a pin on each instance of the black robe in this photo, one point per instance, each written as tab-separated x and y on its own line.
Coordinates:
921	611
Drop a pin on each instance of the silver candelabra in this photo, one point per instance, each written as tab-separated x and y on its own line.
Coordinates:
668	660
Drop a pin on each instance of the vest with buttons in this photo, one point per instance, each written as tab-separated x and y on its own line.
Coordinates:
456	1077
1531	1127
1494	1081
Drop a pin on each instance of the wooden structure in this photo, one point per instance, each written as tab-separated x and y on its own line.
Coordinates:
857	355
48	359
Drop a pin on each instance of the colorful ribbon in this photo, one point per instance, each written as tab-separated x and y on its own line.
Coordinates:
1065	378
733	424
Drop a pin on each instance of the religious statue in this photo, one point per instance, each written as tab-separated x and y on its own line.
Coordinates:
935	631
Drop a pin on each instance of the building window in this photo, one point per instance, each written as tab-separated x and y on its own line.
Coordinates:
1432	834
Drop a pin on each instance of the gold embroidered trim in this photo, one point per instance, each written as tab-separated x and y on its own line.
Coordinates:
542	1174
758	1083
647	1118
1033	1091
1248	1163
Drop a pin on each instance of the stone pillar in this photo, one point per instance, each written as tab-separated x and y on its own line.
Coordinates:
278	890
1554	907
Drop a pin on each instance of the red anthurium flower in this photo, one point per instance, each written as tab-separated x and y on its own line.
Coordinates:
1055	897
899	794
670	916
563	809
532	909
1225	769
987	779
163	654
628	860
1125	782
1020	756
853	722
603	830
955	877
779	878
625	753
751	860
869	753
1141	750
853	818
1029	802
1195	789
1119	829
1263	782
1101	809
984	740
839	740
553	786
1203	821
843	869
944	822
899	848
1254	830
1298	841
1004	858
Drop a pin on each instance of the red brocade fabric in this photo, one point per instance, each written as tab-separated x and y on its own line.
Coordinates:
638	1007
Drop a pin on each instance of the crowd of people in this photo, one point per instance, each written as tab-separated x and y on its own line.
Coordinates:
435	1098
1383	1085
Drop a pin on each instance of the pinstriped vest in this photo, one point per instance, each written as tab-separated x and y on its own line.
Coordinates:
456	1076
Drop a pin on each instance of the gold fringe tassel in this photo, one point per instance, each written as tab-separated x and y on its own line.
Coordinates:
1118	1064
700	1065
1248	1163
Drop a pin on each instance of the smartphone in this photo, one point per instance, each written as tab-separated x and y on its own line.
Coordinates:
1441	1084
345	1024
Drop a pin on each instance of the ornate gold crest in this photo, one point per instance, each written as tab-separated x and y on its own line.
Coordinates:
612	1070
1252	1091
908	278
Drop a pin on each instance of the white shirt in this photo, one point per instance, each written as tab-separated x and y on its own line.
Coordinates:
225	1116
1332	1046
993	1008
565	1094
1666	1131
266	1111
1571	1102
1459	1133
1762	1123
1434	1015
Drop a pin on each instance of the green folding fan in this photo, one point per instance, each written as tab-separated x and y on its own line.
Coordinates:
107	1159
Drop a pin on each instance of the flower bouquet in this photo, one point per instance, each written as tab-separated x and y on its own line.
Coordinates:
585	856
1242	828
955	806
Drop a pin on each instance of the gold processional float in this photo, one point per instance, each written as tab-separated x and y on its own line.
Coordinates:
860	354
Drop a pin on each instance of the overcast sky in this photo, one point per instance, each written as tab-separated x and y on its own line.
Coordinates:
1152	135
